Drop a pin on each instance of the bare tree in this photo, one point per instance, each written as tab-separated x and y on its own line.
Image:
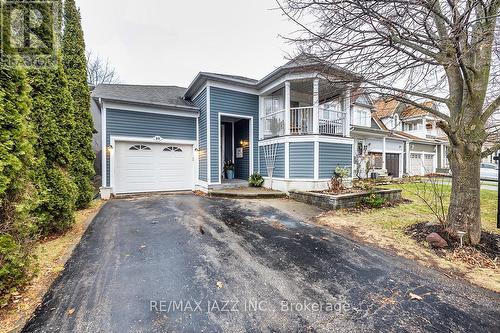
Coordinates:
100	71
439	50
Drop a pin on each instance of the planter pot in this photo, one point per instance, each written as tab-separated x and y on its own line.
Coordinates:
230	174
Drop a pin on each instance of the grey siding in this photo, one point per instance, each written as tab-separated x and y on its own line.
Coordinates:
279	164
234	102
301	160
201	102
332	155
147	125
422	147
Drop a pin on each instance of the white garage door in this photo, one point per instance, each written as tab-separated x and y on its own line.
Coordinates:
148	167
415	168
429	163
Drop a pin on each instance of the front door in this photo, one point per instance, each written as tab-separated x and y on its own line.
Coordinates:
392	164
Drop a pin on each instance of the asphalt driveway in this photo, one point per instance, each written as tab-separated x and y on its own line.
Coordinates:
185	263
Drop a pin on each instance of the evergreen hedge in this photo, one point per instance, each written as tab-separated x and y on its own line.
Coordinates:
46	157
17	227
75	67
52	116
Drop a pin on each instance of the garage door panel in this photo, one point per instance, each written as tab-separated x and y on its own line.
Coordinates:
153	167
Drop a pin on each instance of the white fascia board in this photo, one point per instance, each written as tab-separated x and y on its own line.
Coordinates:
199	91
233	87
151	109
115	138
288	77
307	138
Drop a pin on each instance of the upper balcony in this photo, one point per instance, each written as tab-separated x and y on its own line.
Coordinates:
304	107
423	128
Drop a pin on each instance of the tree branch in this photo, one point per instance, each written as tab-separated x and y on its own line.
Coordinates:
490	109
491	151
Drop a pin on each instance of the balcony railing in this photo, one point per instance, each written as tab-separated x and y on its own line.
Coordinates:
301	120
330	122
274	124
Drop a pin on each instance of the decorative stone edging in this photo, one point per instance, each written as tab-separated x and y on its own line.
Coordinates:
349	200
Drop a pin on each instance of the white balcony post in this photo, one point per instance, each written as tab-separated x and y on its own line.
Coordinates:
383	154
287	107
261	113
347	110
407	148
316	106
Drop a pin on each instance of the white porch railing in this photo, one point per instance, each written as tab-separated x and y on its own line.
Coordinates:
273	124
301	120
332	122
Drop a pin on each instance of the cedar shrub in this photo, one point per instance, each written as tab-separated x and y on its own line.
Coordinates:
75	67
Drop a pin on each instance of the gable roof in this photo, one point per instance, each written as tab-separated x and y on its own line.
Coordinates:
297	65
413	111
385	107
169	96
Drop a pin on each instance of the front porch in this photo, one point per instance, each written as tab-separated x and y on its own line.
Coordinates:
305	106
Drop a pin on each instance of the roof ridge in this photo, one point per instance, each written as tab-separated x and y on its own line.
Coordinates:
226	74
141	85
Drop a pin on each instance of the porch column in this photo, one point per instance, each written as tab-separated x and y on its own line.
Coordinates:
407	148
316	106
424	125
287	107
347	110
383	154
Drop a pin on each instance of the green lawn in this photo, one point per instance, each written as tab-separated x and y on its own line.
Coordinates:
417	211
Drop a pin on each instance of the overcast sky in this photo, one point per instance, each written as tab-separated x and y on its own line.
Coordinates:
169	42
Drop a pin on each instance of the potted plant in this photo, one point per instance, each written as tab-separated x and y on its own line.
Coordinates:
229	169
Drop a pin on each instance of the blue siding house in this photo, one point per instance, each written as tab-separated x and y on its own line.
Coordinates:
293	125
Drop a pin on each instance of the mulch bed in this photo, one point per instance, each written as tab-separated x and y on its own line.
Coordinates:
483	255
361	207
352	190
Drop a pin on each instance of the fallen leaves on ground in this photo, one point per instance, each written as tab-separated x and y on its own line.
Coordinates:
415	297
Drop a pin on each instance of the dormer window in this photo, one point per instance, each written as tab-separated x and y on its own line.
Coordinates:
361	116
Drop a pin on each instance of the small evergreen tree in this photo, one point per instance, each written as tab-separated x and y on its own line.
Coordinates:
52	116
17	228
75	67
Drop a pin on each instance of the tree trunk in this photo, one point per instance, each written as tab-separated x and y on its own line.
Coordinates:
465	206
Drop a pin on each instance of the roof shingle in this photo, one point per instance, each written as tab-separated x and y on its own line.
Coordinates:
155	95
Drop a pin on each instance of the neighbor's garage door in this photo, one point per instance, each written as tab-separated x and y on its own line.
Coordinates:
147	167
415	168
429	163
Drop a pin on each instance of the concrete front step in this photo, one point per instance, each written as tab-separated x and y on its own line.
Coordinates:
247	193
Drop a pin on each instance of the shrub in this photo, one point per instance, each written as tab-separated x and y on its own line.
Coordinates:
17	227
15	266
75	68
56	206
337	181
373	201
256	180
52	115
